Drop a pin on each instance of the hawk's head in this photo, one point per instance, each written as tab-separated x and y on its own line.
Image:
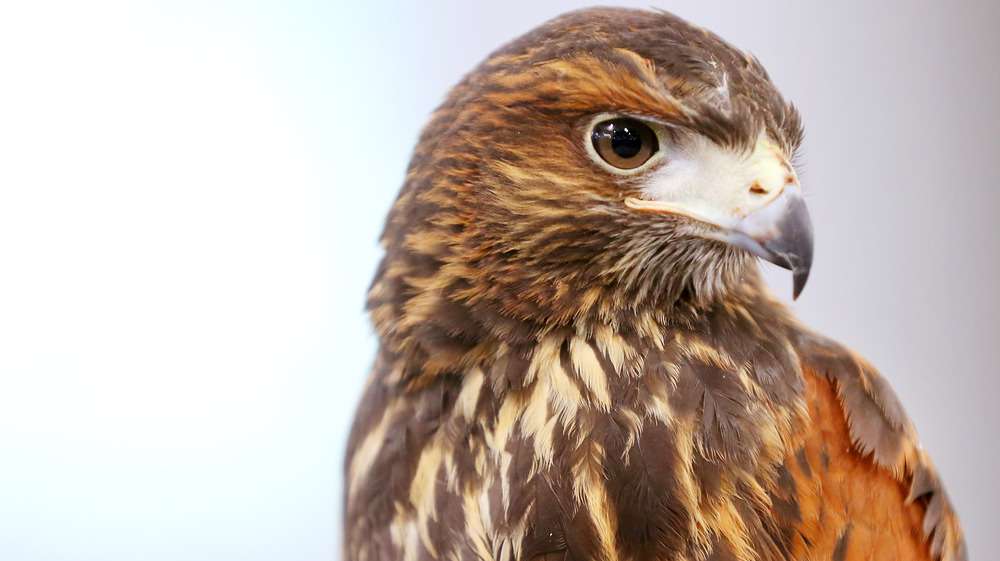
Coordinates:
609	162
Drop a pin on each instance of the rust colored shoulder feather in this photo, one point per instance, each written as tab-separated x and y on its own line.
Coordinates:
861	446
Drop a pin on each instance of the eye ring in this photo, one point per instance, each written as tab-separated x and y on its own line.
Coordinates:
623	143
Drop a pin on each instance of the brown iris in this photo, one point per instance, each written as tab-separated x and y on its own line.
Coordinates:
624	143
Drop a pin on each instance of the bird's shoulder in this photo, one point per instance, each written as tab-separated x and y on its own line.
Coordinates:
861	480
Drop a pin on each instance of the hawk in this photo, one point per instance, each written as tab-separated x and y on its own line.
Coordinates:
578	358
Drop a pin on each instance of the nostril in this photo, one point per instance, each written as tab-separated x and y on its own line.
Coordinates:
756	189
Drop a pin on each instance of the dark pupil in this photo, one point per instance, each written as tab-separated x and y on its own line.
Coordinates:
625	141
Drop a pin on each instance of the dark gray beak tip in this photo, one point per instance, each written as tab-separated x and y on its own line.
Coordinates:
801	249
799	278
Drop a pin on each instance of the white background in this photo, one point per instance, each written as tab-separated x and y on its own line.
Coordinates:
191	194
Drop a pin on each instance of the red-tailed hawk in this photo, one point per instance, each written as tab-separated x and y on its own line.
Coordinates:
578	359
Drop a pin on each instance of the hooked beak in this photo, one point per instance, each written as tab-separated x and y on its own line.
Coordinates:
781	233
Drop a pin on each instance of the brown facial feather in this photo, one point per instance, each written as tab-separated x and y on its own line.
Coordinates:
562	377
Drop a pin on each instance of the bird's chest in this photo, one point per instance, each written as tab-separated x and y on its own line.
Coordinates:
603	446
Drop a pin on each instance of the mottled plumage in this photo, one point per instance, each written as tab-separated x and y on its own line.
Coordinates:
562	376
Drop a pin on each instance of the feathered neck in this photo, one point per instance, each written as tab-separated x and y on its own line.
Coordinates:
439	325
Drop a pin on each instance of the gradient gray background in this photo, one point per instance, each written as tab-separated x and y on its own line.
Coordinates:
191	193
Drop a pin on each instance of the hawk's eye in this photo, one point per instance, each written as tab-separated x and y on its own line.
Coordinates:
624	143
